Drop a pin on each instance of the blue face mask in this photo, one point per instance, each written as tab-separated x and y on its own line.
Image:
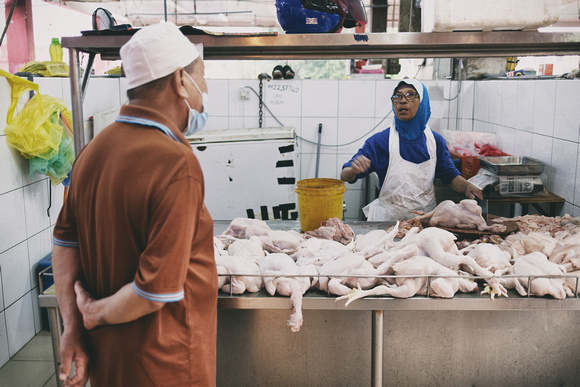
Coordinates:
196	120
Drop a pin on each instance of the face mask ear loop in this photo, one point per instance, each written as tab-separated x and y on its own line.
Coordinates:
195	84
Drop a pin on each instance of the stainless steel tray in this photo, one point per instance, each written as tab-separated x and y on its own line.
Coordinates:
512	165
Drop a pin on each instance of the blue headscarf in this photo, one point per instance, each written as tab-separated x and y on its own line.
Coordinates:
415	127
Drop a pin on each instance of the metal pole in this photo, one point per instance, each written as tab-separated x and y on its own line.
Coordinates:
318	149
55	324
377	349
76	100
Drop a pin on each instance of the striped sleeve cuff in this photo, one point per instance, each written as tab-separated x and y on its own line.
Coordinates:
157	297
60	242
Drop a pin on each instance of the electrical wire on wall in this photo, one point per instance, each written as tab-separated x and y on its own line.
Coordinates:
314	142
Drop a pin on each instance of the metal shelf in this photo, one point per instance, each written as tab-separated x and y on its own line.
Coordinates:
325	46
351	46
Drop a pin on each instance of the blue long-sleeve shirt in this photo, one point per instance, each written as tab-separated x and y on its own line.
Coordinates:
376	149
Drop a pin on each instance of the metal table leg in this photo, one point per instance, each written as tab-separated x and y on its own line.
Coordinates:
55	334
377	349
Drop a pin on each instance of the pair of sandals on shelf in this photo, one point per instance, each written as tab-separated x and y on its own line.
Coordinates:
283	72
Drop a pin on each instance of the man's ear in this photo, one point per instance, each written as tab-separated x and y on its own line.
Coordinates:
179	83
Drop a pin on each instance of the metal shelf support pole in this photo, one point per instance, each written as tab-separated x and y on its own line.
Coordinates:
377	349
76	100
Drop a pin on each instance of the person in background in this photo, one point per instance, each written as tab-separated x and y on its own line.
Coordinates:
133	245
407	160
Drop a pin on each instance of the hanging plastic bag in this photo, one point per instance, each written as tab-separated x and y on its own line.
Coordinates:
41	131
57	168
36	131
18	86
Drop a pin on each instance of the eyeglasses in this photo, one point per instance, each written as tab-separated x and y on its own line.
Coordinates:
409	97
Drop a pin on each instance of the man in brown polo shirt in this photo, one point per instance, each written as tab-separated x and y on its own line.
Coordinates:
133	250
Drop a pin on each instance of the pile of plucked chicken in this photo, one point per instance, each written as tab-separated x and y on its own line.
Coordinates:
541	259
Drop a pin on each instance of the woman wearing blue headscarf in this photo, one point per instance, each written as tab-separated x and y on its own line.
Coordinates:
407	160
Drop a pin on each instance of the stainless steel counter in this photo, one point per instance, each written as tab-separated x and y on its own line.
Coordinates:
341	351
467	340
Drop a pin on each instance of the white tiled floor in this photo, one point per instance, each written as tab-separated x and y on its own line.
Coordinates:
32	366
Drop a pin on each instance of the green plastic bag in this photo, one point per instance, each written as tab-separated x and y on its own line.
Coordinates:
57	168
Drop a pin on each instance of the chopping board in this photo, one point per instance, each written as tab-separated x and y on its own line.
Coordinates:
473	233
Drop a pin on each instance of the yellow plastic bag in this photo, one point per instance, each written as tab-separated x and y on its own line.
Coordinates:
46	68
41	131
19	86
36	131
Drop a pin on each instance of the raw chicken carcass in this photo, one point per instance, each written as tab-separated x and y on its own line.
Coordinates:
219	248
350	265
238	226
274	267
440	245
490	256
537	264
466	214
248	248
408	286
316	252
278	241
371	238
390	257
333	229
376	241
567	255
567	252
239	274
521	243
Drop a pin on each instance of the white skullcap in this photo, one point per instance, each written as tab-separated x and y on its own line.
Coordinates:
154	52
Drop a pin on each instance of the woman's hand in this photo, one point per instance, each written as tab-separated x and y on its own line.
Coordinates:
459	184
472	191
360	164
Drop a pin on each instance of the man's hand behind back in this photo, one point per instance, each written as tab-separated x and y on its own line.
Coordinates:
73	351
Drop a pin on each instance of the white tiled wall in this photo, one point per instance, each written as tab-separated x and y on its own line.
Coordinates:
25	231
538	118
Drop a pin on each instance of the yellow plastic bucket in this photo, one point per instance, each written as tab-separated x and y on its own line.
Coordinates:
318	201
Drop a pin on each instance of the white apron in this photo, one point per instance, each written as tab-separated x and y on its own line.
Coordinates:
407	186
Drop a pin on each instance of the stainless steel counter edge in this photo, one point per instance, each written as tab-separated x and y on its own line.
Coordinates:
382	303
459	302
